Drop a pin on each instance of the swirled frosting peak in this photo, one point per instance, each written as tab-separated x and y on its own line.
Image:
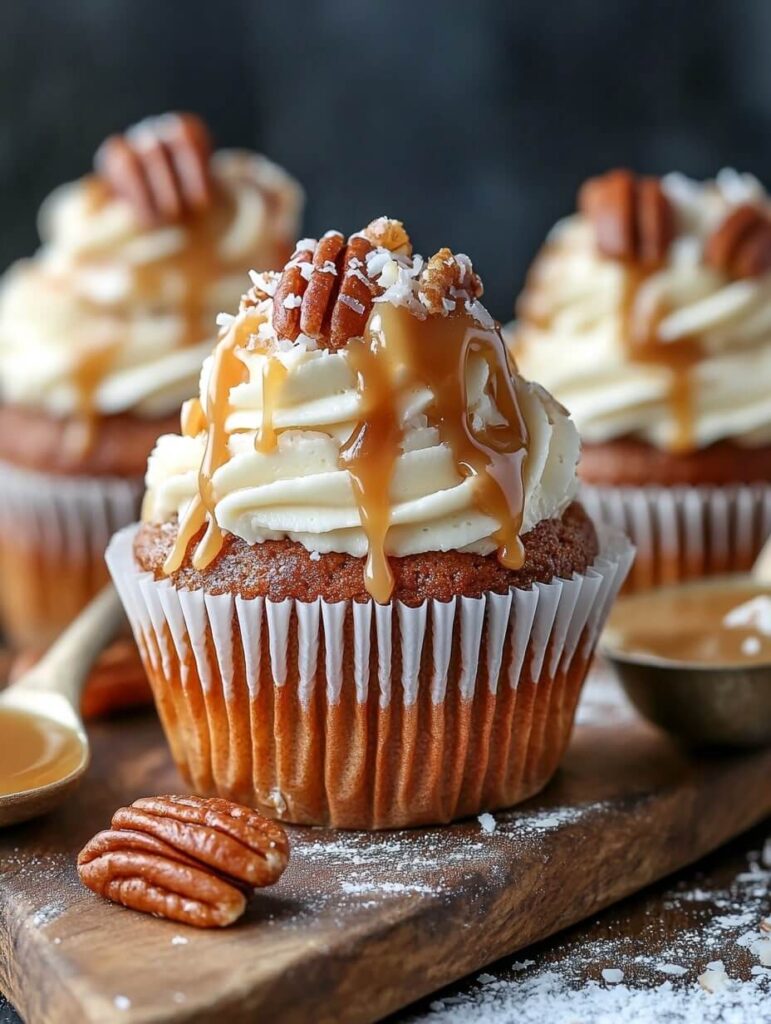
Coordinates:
648	312
362	401
117	310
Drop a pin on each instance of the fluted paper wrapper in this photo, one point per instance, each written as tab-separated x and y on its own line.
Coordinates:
684	533
367	715
53	534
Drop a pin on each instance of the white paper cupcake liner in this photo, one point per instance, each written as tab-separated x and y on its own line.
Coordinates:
53	534
685	532
367	715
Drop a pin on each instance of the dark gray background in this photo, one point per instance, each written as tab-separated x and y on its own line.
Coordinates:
472	121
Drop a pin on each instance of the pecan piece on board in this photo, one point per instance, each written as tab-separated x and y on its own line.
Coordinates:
185	858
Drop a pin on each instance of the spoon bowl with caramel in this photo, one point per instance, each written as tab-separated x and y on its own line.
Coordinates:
44	749
696	658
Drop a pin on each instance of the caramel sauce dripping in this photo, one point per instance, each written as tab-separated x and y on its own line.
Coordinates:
643	345
370	453
227	372
87	374
274	374
433	352
34	751
397	352
196	265
192	418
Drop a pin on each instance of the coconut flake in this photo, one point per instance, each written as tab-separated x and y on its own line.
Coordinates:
264	282
488	823
354	304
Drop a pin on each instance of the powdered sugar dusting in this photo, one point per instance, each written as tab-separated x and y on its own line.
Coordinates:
618	979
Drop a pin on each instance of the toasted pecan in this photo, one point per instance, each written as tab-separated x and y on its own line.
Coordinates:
632	218
740	246
185	858
161	167
327	290
444	274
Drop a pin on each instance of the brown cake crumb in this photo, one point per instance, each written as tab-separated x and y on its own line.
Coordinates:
280	569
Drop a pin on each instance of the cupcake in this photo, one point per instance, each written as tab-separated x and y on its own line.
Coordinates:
648	313
362	590
102	334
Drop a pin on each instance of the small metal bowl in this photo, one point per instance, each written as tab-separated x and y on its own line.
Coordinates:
705	705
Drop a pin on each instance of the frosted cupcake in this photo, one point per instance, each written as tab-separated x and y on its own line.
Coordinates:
102	335
648	313
362	590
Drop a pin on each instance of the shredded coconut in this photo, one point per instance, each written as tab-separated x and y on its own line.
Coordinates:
613	975
488	823
354	304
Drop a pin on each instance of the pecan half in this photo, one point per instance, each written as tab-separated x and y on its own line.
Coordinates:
632	217
325	292
740	246
185	858
161	166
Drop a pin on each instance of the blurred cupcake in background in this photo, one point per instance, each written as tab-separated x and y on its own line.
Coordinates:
648	313
363	592
102	335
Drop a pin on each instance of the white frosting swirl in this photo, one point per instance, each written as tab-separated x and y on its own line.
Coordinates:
113	316
299	491
570	334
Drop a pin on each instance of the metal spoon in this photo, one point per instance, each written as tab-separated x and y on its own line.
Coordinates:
706	705
51	692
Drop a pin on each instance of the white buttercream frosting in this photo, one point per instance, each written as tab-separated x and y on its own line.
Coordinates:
302	491
572	326
128	312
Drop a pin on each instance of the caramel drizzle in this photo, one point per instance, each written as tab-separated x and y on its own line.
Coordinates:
370	455
274	375
397	352
433	352
643	345
227	372
196	264
87	374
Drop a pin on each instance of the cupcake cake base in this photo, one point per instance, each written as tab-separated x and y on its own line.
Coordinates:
344	712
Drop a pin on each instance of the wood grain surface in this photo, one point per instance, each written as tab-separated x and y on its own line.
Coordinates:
360	925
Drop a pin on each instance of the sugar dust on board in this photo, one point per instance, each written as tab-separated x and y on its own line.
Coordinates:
34	751
712	623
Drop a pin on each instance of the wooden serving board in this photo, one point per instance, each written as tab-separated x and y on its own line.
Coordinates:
360	925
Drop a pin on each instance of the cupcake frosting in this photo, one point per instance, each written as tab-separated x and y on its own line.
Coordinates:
116	312
672	344
364	404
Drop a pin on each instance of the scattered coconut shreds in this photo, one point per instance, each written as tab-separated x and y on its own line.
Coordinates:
714	978
613	975
488	823
122	1003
